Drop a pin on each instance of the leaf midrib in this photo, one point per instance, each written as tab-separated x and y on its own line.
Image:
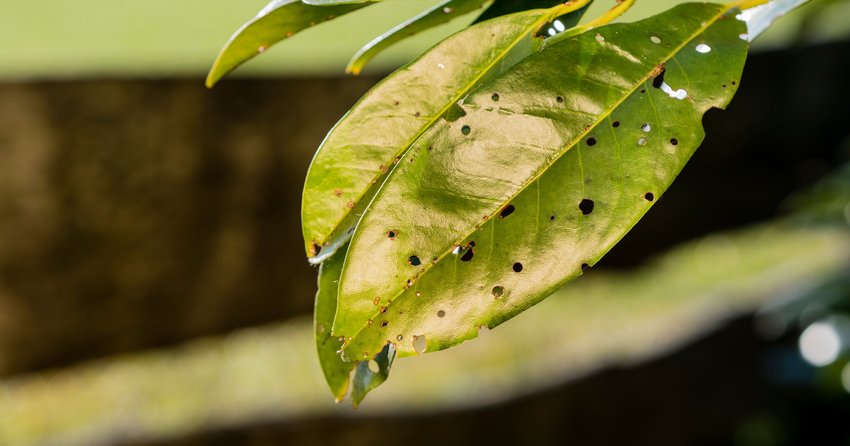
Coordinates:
542	171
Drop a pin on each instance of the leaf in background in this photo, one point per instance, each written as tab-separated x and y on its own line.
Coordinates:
437	15
355	157
337	372
552	163
504	7
278	20
336	2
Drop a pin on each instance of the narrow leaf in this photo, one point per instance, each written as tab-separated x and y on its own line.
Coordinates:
277	21
549	166
337	372
334	2
437	15
355	157
504	7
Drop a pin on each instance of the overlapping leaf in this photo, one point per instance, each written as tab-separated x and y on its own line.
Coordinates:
544	170
279	20
338	373
437	15
355	157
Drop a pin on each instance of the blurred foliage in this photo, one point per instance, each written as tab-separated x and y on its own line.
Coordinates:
270	373
84	38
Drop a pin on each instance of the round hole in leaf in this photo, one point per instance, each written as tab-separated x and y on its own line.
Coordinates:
591	141
615	124
399	337
517	267
649	196
414	261
391	234
498	291
466	129
384	324
467	256
674	141
441	313
507	210
560	99
495	97
586	206
373	366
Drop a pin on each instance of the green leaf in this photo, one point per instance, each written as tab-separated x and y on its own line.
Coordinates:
277	21
549	166
437	15
355	157
334	2
338	372
504	7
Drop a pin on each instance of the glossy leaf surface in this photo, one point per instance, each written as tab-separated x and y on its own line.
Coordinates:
435	16
337	372
548	166
503	7
355	157
277	21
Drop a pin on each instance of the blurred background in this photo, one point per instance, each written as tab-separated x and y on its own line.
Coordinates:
153	288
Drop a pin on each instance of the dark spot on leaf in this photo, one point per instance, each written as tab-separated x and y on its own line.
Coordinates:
724	85
471	243
350	205
383	168
498	291
416	114
517	267
391	234
584	266
642	90
413	260
441	313
316	249
467	256
338	193
659	79
674	141
495	97
586	206
591	141
551	218
465	129
733	82
383	309
507	210
384	324
560	99
615	124
649	196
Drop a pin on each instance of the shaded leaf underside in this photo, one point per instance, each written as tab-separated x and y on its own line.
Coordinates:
552	163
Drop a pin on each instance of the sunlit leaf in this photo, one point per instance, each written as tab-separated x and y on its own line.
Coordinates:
355	157
504	7
437	15
543	171
277	21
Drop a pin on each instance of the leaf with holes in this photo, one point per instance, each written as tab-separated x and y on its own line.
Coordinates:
436	15
338	372
355	157
542	170
277	21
